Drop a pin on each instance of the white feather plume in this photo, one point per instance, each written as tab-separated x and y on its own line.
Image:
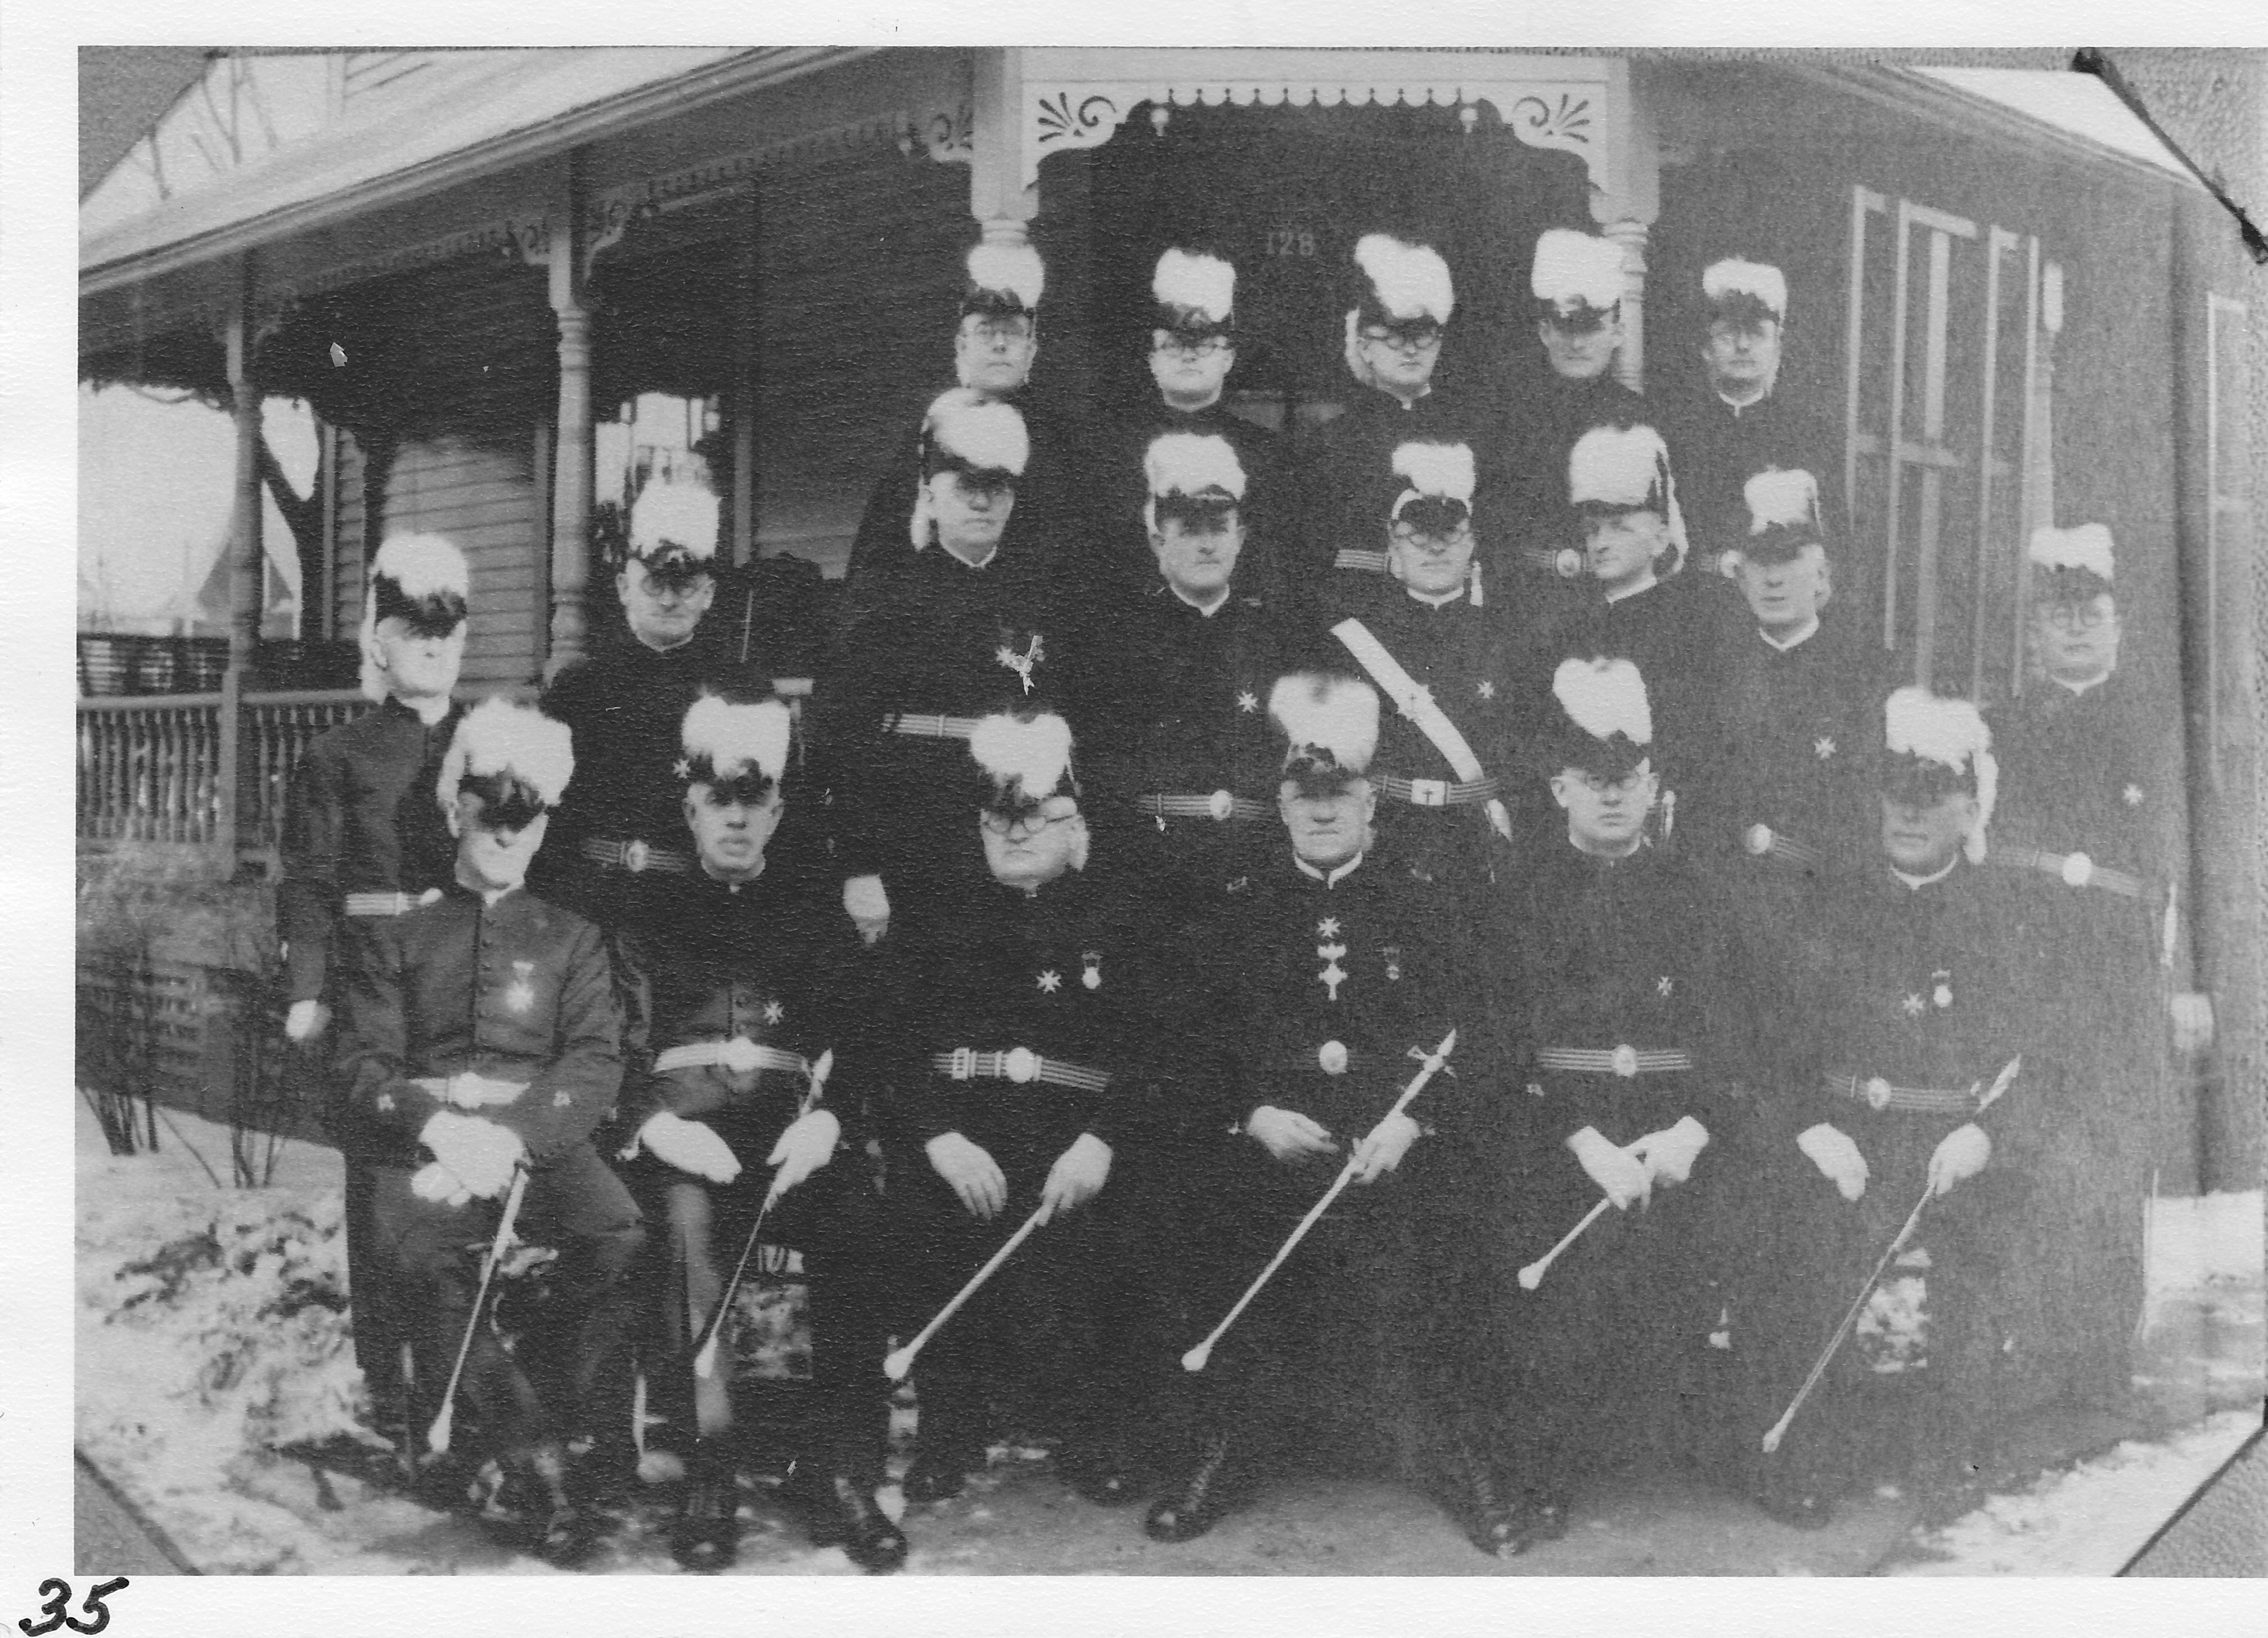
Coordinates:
2086	547
1015	268
1734	276
1781	498
732	738
1337	715
673	516
1028	756
1604	698
1189	463
423	566
1572	266
1616	466
1437	470
1409	281
1191	279
1951	732
984	433
498	736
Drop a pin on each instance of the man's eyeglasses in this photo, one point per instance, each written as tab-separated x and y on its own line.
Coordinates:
1189	346
2077	616
1598	785
1417	337
1017	826
995	330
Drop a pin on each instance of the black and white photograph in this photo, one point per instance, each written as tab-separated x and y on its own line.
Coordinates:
916	810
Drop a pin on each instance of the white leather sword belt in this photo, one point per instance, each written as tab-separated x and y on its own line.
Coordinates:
635	855
928	725
1436	793
1021	1065
740	1053
1218	805
1879	1094
2073	869
1625	1060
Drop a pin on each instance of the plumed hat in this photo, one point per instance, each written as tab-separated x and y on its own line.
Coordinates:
1783	517
738	750
1397	283
1004	281
2075	563
1619	468
1195	293
1605	724
1747	292
674	528
1937	745
1330	725
422	580
1192	474
518	759
966	431
1024	758
1576	275
1437	485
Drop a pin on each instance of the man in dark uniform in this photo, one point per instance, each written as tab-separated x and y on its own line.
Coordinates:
974	624
1394	335
481	1035
1736	419
1643	605
1910	1063
1184	761
738	976
1578	282
362	840
1340	977
1425	636
1029	1052
1793	793
994	348
2091	800
1635	1042
1192	351
619	829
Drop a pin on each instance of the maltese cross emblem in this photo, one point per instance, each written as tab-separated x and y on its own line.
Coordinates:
521	995
1823	747
681	767
2134	795
1486	688
1913	1004
1050	981
1663	985
1247	700
774	1012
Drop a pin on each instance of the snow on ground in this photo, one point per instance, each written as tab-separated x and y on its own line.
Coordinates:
211	1331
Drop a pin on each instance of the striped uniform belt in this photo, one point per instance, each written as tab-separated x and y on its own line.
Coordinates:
375	904
1021	1065
1437	793
1220	805
1761	841
1354	557
926	726
1567	562
1624	1060
1878	1093
636	856
2074	869
738	1053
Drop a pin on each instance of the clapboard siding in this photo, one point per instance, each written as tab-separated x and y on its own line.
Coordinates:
469	372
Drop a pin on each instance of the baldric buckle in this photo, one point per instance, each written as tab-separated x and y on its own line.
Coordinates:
964	1063
636	855
1429	793
1021	1066
1221	805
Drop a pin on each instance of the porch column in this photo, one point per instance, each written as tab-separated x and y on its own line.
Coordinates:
998	197
1630	361
571	468
244	545
1625	202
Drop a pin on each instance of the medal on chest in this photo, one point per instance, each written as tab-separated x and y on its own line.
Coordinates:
1021	664
520	995
1329	950
1091	961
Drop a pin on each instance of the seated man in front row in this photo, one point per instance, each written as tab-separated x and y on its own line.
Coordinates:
736	974
482	1035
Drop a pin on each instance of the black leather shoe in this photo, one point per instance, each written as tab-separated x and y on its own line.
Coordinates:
1099	1472
840	1511
1491	1522
561	1531
935	1477
1198	1502
706	1535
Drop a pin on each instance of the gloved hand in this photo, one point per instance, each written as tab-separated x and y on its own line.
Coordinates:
1383	1145
1618	1174
1959	1154
2192	1018
973	1174
803	1148
480	1153
690	1145
867	905
306	1020
469	1091
1830	1149
1288	1135
437	1183
1668	1154
1077	1176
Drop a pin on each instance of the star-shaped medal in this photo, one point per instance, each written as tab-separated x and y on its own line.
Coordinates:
1247	700
1050	981
774	1012
1823	747
2134	795
1663	985
1328	927
1913	1004
683	768
1486	688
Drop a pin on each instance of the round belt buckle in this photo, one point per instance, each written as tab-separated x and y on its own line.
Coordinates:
636	856
1877	1091
1758	839
1022	1064
1332	1058
739	1054
1220	804
1624	1061
1567	563
2077	870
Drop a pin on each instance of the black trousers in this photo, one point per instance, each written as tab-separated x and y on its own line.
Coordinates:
576	1204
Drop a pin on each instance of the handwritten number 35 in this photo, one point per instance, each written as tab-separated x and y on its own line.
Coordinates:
57	1594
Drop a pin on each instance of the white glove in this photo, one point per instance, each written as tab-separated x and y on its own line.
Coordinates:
1288	1135
2193	1016
1383	1145
1830	1149
1959	1156
1668	1154
1616	1170
867	906
803	1148
437	1183
690	1145
973	1174
480	1153
1077	1176
306	1020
